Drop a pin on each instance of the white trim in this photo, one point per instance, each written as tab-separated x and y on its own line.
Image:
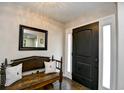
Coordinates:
105	21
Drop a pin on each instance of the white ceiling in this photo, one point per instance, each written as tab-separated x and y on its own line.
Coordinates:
68	11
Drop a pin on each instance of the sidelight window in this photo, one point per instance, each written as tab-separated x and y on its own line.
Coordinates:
69	53
106	56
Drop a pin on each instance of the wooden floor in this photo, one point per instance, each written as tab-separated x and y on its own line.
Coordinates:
68	84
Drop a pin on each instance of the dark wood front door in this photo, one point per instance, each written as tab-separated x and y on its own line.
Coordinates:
85	55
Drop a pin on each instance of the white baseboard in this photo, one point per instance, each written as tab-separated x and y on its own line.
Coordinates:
67	75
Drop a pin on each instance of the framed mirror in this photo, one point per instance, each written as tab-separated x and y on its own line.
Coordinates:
31	38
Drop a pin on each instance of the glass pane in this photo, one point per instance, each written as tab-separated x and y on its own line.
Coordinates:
33	39
69	53
106	55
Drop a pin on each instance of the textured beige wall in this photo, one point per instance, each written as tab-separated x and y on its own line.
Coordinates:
10	18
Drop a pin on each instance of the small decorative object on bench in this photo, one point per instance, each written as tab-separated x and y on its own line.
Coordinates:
32	81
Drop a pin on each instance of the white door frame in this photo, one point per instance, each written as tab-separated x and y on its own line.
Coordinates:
109	20
102	21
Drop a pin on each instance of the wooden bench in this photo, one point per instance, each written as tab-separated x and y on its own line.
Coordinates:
35	80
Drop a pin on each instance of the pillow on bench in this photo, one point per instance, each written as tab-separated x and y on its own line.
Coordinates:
13	74
50	67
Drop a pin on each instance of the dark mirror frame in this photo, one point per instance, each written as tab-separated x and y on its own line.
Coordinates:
21	31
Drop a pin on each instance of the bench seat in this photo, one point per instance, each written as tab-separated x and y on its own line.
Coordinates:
34	81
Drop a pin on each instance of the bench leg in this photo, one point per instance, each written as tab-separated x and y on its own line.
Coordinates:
60	85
